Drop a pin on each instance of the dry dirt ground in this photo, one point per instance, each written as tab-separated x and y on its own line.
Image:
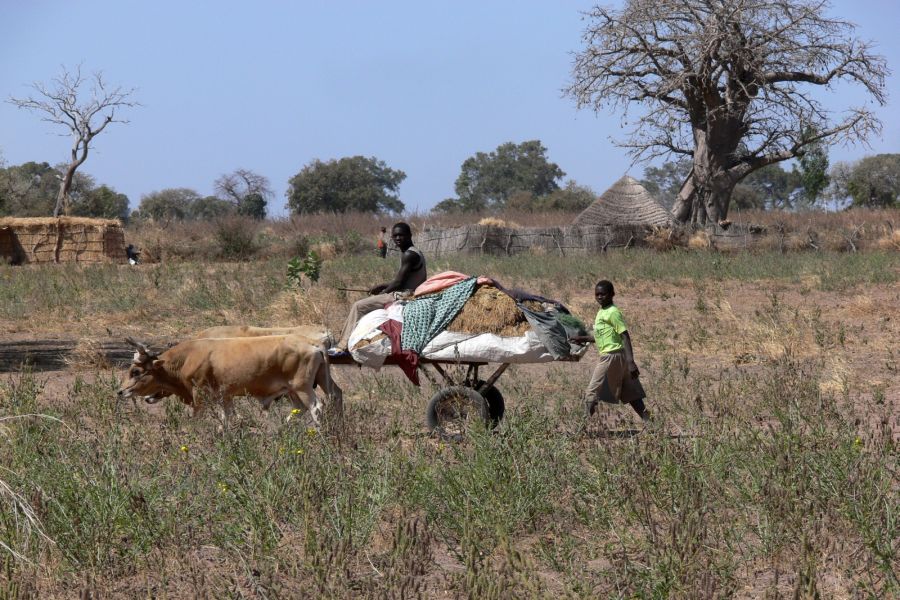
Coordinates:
718	326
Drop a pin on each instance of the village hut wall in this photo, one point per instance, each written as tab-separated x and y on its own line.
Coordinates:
61	240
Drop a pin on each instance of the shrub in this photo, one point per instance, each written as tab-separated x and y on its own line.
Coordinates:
236	238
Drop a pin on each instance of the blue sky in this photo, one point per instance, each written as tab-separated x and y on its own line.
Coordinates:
270	86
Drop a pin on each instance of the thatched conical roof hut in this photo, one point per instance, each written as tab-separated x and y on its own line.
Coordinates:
627	202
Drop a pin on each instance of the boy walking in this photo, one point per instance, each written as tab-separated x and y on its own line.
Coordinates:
615	379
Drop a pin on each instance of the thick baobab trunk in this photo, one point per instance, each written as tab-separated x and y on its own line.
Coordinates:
699	204
706	193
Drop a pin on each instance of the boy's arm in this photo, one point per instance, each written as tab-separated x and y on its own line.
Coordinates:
629	355
581	339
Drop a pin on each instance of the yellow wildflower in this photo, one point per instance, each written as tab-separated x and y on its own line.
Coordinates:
299	451
184	448
295	411
311	432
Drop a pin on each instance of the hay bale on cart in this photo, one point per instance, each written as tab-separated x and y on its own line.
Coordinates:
61	240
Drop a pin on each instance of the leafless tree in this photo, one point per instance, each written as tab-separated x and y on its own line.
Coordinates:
236	186
726	82
84	106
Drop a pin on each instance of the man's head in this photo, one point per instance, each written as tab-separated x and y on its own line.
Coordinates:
604	292
401	235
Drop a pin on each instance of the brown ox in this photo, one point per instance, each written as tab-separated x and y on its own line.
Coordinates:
265	367
315	334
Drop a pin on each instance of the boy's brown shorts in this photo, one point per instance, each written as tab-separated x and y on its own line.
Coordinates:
612	382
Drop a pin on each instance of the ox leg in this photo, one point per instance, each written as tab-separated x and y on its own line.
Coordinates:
198	403
226	410
268	400
335	395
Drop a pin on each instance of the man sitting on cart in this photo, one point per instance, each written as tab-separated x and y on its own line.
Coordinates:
411	275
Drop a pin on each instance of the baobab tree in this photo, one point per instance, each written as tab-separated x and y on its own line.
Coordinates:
249	192
84	112
727	83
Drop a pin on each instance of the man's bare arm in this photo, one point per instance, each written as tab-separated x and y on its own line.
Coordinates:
408	262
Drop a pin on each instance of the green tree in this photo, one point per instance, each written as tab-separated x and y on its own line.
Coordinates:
210	208
873	181
571	198
747	197
488	180
171	204
252	205
353	183
726	83
665	181
101	202
777	188
813	172
30	189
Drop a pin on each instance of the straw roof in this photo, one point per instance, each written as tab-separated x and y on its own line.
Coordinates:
627	202
43	221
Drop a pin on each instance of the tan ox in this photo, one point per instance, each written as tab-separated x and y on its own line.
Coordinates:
316	335
265	367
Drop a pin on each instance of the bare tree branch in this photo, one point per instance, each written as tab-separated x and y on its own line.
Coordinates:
727	82
85	113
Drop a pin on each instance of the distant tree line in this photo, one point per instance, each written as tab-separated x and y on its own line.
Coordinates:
512	177
873	181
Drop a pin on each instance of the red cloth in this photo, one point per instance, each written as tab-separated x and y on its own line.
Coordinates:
407	360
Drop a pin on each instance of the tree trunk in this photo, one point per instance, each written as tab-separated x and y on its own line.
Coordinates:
62	198
706	193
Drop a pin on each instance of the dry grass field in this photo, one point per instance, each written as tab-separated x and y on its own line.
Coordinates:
771	469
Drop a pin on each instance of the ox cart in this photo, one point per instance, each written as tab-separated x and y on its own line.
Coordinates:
462	400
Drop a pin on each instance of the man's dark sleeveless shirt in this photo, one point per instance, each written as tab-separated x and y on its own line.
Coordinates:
417	276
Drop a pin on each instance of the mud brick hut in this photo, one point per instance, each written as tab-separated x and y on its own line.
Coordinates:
61	240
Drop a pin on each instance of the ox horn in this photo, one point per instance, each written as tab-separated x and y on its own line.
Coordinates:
143	350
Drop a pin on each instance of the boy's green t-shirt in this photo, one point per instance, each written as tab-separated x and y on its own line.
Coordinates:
608	328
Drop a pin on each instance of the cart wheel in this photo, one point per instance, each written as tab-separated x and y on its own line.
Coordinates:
496	406
454	409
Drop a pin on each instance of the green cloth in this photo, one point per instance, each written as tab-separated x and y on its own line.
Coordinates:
608	329
426	317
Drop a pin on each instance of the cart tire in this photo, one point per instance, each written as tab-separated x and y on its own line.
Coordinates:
454	409
495	404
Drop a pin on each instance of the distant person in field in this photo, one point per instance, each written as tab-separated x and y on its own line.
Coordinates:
615	378
381	244
410	276
132	254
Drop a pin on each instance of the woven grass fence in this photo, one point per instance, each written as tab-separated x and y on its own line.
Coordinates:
577	240
61	240
507	241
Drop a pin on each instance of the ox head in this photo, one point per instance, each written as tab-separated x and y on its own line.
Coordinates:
143	377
